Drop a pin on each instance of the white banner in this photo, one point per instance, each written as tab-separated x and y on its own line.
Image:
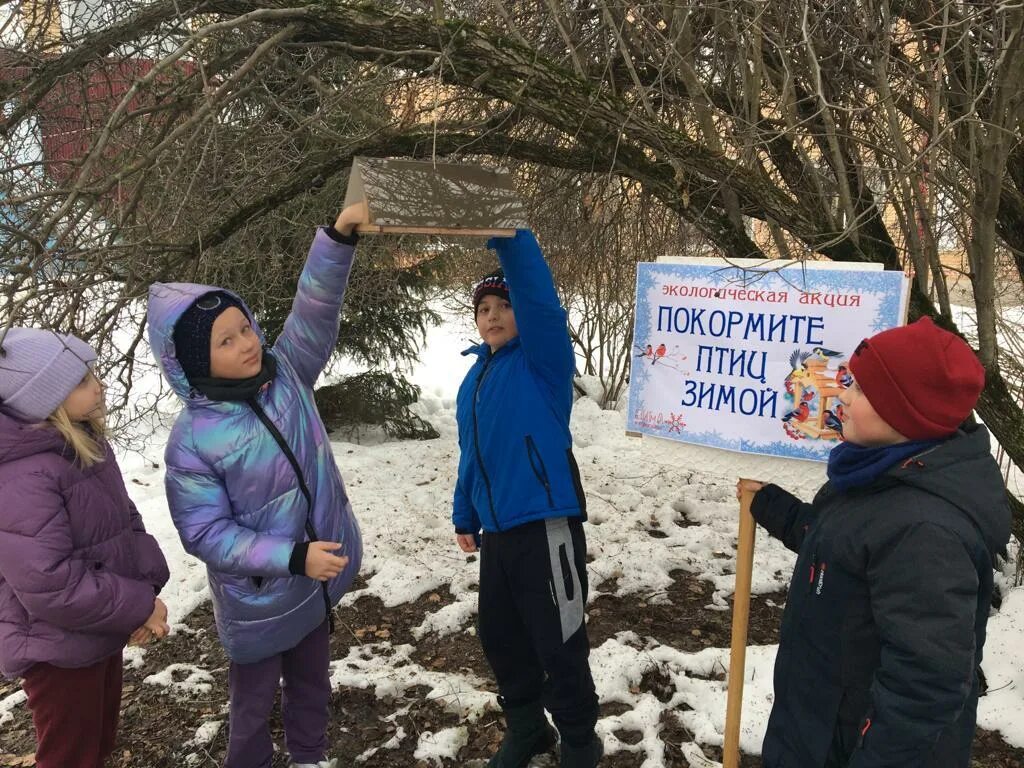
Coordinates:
752	361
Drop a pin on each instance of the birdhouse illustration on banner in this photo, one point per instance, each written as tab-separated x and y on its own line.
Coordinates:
813	386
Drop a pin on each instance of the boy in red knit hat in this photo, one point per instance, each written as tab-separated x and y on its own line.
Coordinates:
885	620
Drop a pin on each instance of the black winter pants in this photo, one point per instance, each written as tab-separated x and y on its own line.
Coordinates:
533	590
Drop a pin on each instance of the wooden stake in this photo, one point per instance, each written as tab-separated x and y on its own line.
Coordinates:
740	622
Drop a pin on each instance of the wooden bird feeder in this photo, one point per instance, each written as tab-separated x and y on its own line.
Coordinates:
424	198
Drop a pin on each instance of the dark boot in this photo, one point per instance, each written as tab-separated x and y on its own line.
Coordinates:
527	733
582	757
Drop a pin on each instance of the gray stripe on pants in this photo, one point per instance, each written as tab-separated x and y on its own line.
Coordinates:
570	612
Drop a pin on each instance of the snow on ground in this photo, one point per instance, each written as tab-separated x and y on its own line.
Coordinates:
205	734
391	743
390	671
1000	709
402	494
8	703
620	664
183	679
633	485
436	747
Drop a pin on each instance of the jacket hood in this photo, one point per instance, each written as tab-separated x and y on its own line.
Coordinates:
19	439
167	303
963	472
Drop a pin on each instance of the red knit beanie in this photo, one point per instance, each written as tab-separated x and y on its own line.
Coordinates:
923	381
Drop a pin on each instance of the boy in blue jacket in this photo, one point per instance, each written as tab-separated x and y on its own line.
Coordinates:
518	481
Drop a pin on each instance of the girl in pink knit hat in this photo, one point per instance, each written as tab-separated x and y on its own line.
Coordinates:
884	626
79	575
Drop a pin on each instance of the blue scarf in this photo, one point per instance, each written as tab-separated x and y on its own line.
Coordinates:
851	466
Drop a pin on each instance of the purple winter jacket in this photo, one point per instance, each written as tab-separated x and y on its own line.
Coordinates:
78	572
234	497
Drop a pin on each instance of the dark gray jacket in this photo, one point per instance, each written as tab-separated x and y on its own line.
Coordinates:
885	621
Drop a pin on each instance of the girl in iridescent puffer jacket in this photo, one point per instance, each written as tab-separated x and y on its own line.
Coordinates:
255	493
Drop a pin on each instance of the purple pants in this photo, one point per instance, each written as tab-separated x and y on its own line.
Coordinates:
305	702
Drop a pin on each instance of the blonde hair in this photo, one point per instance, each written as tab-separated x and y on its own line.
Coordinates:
86	438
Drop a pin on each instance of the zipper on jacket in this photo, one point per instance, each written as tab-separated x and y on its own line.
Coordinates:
287	451
539	469
476	442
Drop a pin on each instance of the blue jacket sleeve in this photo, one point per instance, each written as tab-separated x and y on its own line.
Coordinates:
540	317
464	515
924	593
783	515
311	330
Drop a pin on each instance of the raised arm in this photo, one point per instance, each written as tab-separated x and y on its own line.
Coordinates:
311	330
540	317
